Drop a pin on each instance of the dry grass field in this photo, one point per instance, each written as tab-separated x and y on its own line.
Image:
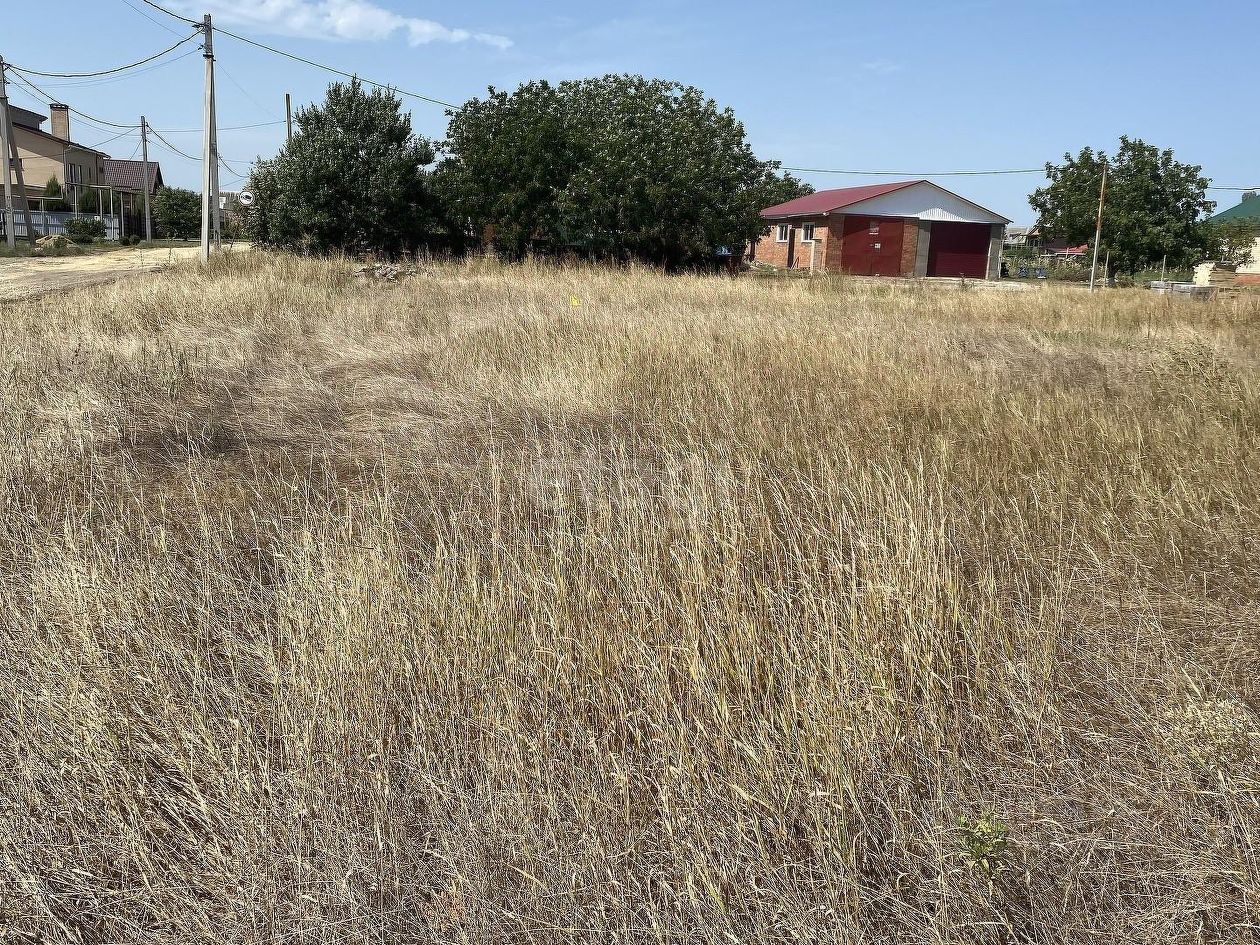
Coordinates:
510	605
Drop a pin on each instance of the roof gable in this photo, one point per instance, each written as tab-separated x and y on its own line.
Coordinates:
925	200
920	199
828	201
129	175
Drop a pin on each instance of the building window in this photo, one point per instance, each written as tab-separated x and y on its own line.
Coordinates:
74	173
874	230
807	233
782	235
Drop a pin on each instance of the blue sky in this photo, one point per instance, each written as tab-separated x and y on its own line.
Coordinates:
903	85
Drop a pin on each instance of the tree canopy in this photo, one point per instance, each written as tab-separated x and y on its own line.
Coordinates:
353	179
613	167
1154	205
177	213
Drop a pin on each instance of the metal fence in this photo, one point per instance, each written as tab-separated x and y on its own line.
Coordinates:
48	223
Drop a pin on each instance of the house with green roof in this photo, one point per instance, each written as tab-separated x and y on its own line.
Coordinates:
1247	209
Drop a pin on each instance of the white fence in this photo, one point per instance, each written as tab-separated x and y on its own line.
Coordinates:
47	223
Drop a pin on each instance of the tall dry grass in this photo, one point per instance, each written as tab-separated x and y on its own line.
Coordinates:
704	610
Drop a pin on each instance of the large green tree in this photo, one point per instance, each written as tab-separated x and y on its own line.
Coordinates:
615	167
353	179
176	213
1154	205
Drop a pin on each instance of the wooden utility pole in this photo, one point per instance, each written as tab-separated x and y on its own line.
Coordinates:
209	157
144	151
13	162
1102	199
288	118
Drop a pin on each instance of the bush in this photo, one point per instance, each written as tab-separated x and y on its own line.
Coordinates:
85	229
177	213
353	179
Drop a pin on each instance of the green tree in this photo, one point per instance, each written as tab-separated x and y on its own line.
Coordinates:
176	213
56	201
353	179
613	167
1154	205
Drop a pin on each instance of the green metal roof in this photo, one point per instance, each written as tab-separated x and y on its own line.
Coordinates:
1249	210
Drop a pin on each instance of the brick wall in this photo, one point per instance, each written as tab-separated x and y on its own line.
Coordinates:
909	245
771	252
835	242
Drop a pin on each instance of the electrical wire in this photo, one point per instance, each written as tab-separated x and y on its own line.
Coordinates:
824	170
103	72
100	144
46	99
157	23
197	131
84	83
218	67
183	154
158	6
335	71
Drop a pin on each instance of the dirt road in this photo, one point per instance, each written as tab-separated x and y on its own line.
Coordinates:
24	277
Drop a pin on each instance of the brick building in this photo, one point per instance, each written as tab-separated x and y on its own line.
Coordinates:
910	228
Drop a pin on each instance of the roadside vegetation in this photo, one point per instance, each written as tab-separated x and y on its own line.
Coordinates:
530	604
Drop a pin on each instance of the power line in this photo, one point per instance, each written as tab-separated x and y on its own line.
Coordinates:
157	6
824	170
103	72
44	98
100	144
123	76
182	154
157	23
258	124
335	71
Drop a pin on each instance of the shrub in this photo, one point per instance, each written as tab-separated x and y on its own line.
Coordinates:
85	229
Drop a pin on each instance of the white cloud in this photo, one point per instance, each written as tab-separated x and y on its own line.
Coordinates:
334	19
883	66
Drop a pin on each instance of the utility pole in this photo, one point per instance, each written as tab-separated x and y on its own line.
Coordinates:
144	150
8	220
8	143
217	205
209	156
288	118
1102	199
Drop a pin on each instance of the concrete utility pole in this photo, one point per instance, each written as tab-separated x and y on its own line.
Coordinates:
217	204
1102	199
209	157
8	145
288	118
8	176
144	151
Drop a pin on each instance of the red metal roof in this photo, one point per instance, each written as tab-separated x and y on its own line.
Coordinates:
825	201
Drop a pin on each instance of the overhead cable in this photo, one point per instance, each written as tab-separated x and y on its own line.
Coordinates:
103	72
334	70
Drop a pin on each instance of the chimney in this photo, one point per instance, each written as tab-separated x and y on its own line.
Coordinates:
60	115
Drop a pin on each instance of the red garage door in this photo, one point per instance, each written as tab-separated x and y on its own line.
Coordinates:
872	246
959	249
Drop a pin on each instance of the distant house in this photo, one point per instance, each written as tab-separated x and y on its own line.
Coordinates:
128	176
1246	210
52	155
910	228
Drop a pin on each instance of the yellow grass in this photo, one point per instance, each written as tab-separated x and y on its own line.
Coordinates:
702	610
